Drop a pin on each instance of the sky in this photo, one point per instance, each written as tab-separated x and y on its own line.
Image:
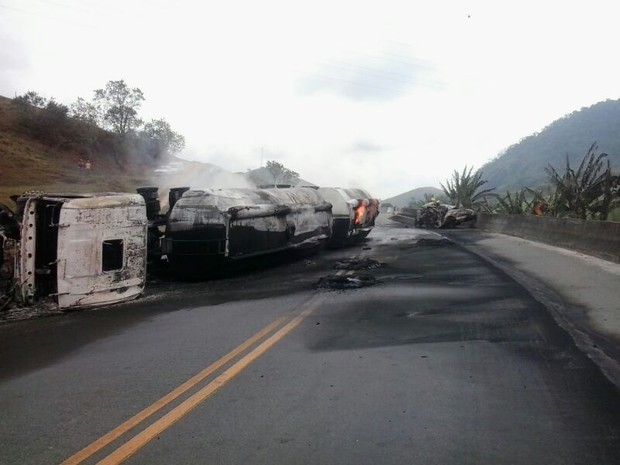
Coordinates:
388	96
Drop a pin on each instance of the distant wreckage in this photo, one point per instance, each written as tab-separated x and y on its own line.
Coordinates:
82	250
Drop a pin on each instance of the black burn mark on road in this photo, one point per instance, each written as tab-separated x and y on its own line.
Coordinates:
591	340
452	296
427	319
358	264
493	309
344	282
486	307
433	242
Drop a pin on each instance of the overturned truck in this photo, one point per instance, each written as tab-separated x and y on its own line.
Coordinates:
81	250
84	250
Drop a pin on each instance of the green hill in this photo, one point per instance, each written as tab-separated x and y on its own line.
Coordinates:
523	164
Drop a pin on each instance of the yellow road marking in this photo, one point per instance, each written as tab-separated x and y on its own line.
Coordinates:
150	410
152	431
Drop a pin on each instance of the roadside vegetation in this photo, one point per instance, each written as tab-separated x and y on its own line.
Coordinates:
96	144
589	192
463	189
524	163
280	174
108	123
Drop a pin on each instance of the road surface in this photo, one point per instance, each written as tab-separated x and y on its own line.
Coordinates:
443	359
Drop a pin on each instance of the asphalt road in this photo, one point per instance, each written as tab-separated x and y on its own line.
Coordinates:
444	360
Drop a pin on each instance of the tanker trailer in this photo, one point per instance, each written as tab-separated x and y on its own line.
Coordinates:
354	212
210	226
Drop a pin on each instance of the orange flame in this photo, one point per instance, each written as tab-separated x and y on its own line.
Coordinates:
538	208
360	213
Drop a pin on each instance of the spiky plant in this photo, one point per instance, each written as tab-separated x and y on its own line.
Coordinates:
518	203
463	188
590	192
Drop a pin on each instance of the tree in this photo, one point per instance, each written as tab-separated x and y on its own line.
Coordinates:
88	135
119	106
55	112
160	139
167	140
54	126
29	107
30	99
44	119
280	174
85	111
462	189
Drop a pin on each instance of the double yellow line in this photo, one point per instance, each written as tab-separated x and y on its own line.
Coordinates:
154	429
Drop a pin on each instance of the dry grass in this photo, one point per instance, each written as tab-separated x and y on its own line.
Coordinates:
26	164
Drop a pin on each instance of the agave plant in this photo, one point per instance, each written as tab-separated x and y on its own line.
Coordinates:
463	188
590	192
517	203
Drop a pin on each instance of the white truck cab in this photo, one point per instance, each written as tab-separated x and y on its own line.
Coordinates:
81	250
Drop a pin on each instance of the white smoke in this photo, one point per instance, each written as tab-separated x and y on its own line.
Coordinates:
196	175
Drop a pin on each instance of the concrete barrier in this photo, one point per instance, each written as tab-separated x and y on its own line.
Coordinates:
598	238
410	212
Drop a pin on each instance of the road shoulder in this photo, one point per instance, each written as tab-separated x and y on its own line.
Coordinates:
580	291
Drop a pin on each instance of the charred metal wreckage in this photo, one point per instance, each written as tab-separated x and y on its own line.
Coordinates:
216	224
85	250
81	250
438	215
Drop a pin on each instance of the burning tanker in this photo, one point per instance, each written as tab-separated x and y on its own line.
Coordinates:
206	226
93	249
354	212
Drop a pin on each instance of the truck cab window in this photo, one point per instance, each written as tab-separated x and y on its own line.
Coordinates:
112	256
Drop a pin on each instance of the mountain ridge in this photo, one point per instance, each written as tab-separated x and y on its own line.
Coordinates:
523	163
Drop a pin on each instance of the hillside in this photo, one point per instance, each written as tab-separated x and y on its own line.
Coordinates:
523	164
405	199
27	163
